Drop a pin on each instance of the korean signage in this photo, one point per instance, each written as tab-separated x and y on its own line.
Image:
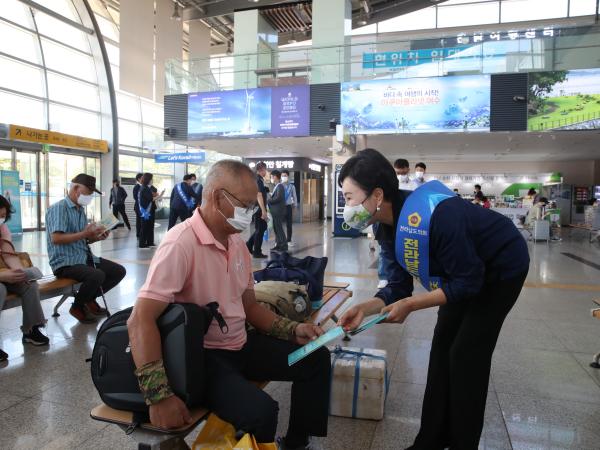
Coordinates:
277	164
19	133
408	57
196	157
290	111
303	164
512	35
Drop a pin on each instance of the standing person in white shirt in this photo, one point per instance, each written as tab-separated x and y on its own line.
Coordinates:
419	179
402	169
291	200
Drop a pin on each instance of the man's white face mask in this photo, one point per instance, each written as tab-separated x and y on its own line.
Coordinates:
419	174
84	200
242	217
403	178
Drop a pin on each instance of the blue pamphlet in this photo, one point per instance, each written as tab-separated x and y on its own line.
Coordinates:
365	326
332	334
322	340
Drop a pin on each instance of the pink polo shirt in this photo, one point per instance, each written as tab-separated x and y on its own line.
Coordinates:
190	266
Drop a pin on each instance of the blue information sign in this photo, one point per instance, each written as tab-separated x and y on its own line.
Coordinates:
196	157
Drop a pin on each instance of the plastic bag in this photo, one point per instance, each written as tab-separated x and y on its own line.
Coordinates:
220	435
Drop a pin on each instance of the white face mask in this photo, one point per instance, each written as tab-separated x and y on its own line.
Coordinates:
2	221
357	216
84	200
284	179
403	178
419	175
242	217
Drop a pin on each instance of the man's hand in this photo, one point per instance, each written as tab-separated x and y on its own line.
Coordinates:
13	276
91	231
398	312
352	318
306	332
265	216
170	413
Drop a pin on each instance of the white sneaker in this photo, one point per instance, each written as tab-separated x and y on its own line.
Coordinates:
291	244
382	284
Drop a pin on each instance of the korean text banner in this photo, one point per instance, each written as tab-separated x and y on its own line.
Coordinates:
417	105
290	111
244	112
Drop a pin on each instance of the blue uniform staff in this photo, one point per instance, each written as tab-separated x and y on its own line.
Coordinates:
471	261
184	199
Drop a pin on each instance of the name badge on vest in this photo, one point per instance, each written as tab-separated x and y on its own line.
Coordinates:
412	232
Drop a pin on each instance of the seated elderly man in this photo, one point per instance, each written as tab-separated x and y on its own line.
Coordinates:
204	259
68	235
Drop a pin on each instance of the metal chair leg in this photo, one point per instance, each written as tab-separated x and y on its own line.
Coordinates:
596	363
58	305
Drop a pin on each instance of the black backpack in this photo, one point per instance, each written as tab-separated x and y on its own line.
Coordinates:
182	328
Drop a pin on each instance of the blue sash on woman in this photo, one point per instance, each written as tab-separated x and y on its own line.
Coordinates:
144	212
188	201
412	232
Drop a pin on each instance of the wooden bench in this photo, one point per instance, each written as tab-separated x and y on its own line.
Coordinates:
149	437
49	286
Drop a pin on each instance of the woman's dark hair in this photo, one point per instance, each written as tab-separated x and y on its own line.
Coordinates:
4	203
146	179
543	200
478	186
138	176
531	191
371	170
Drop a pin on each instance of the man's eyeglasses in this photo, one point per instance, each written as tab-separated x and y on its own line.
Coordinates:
252	208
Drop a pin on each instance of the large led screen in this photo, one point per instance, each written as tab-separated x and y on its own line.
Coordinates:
290	111
564	100
417	105
278	111
243	112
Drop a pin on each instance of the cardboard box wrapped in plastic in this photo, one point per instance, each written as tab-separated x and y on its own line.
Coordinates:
359	382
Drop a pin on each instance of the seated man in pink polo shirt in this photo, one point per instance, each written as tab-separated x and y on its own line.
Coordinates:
202	260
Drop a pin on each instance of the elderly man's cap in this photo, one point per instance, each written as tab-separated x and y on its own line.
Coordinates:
86	180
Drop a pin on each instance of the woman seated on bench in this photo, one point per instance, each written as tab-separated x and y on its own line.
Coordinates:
13	280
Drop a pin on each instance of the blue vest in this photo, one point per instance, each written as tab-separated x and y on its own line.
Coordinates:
186	200
144	212
412	232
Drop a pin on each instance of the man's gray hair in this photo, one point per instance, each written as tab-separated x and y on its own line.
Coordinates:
224	168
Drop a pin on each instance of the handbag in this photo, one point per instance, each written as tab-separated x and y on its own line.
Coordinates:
10	259
220	435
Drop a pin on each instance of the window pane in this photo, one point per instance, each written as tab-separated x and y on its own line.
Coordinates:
62	7
152	114
152	136
69	61
113	53
107	28
128	107
61	31
74	121
422	19
128	163
130	133
582	7
153	167
522	10
17	12
479	13
67	90
21	77
23	111
368	29
19	43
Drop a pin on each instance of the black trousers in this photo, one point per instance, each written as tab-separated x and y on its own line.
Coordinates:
181	214
254	244
289	218
279	233
240	402
138	224
106	275
121	209
146	232
459	367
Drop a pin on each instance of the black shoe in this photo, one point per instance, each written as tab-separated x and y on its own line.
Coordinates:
281	445
259	256
35	337
3	355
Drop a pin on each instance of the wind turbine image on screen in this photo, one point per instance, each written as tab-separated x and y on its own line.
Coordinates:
249	97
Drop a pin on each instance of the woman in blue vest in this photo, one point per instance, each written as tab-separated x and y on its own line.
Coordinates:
147	212
473	263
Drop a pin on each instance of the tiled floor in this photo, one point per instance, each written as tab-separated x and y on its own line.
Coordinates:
543	394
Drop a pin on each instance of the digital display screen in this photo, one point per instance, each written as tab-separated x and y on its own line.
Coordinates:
279	111
243	112
564	100
417	105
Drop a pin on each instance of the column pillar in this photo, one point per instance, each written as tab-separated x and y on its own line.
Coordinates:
255	47
331	31
169	43
199	57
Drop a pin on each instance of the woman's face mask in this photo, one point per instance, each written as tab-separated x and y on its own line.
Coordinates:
2	221
357	216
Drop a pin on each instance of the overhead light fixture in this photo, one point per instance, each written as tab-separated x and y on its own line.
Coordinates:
361	22
175	15
253	1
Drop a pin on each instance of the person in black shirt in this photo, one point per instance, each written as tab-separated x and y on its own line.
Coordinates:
481	260
117	201
183	200
254	244
136	204
147	211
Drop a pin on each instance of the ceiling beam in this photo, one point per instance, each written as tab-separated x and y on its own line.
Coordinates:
218	8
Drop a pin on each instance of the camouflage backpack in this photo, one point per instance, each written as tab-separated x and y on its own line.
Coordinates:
285	298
